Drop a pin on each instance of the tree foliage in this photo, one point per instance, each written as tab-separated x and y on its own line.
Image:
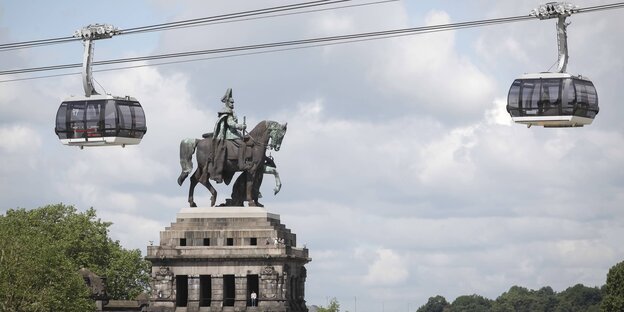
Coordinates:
579	298
519	299
435	304
41	251
614	289
333	306
472	303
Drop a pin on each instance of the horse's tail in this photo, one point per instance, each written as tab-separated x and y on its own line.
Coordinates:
187	149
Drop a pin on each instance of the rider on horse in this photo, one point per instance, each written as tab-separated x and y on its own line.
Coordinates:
226	130
227	126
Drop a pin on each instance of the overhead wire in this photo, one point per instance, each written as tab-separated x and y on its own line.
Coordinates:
232	55
200	21
223	18
602	7
293	44
281	14
414	30
36	43
386	33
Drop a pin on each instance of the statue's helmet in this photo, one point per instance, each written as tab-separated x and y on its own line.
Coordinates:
228	101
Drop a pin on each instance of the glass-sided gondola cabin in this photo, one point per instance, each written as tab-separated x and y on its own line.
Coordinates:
552	100
100	120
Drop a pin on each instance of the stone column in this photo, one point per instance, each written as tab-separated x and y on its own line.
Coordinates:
240	284
303	273
216	305
193	294
286	289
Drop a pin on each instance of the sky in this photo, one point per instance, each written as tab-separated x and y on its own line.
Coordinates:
402	171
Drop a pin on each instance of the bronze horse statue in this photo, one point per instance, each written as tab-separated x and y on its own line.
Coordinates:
265	135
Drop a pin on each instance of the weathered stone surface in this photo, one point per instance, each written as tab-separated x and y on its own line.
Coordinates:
248	243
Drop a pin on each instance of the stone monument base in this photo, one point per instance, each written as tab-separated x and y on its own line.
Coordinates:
218	259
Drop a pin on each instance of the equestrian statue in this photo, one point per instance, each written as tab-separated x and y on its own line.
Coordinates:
228	150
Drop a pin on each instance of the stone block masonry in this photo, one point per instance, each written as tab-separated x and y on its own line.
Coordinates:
213	259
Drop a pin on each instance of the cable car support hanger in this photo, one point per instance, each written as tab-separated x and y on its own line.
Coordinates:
88	34
559	10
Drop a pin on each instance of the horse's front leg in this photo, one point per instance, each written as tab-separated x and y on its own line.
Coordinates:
213	192
192	189
202	176
278	182
249	190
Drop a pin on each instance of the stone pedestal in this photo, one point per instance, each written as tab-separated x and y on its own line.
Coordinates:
212	259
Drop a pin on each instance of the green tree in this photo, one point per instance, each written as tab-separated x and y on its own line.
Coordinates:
34	276
472	303
333	306
614	290
127	273
545	299
59	238
579	298
435	304
520	299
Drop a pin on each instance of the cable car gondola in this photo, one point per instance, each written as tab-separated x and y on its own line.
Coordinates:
553	99
100	120
94	119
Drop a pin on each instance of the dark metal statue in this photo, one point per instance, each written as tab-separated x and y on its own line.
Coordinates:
223	153
225	138
239	191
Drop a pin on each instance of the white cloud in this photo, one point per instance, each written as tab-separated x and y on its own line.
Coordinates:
448	160
336	23
20	147
508	45
388	269
525	215
134	230
19	138
498	114
431	74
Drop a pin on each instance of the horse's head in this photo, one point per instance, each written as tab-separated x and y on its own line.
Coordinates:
276	134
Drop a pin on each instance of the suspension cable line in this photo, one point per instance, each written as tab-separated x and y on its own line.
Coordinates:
241	19
595	8
387	33
232	55
223	18
36	43
293	44
195	21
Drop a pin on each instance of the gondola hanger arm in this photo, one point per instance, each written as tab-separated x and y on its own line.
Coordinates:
559	10
88	34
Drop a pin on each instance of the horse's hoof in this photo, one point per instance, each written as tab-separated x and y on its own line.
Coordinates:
182	177
193	205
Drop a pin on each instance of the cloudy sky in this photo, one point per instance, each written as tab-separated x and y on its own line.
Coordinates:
402	172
